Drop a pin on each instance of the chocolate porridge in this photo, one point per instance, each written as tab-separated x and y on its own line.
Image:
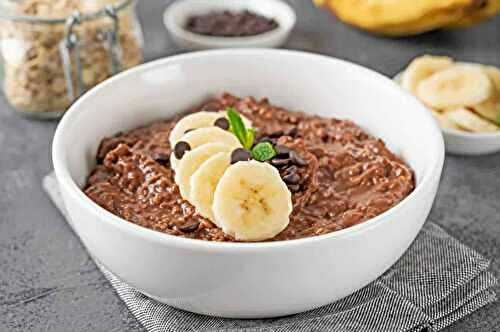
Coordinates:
343	176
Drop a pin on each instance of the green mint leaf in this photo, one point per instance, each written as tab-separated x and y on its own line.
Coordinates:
250	138
263	151
497	120
236	125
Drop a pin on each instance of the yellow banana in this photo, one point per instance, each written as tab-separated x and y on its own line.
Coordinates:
409	17
484	10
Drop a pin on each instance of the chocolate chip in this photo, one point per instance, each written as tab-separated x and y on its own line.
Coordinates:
279	162
211	107
181	148
293	187
240	154
222	123
292	178
161	157
276	134
292	132
282	150
291	169
297	160
189	226
268	139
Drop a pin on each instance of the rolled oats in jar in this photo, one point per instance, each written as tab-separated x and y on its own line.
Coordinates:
54	50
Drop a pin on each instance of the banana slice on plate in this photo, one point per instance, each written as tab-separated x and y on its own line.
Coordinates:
205	180
457	86
469	121
489	109
494	75
192	161
251	201
198	120
205	135
443	120
421	68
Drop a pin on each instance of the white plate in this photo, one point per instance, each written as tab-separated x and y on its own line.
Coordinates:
466	143
177	14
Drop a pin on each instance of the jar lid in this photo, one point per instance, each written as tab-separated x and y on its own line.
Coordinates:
53	11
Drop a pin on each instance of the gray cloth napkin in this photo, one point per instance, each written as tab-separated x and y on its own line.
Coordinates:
436	282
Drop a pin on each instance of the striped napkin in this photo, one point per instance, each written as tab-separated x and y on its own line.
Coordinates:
436	282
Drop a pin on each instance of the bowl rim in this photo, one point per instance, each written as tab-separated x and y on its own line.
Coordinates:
70	186
470	135
263	38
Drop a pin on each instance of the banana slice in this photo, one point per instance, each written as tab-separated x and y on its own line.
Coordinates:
192	121
198	120
457	86
192	161
251	201
206	135
174	162
489	109
494	75
443	121
421	68
205	180
470	121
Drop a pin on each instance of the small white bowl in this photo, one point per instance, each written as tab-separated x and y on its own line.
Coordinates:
248	280
470	144
466	143
177	14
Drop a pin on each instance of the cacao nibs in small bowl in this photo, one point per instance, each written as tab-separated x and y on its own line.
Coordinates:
230	24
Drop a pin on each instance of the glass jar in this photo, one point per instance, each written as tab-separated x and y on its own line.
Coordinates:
51	51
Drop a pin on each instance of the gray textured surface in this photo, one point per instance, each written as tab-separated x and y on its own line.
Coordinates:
49	283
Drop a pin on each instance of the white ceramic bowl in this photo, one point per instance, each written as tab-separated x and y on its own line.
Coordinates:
471	144
466	143
177	14
248	280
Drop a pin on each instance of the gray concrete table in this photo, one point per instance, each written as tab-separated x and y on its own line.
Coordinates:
49	283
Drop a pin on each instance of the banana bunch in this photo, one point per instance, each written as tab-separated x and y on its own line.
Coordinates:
410	17
462	96
247	199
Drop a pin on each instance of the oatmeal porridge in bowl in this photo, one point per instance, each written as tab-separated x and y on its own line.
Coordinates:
337	174
246	174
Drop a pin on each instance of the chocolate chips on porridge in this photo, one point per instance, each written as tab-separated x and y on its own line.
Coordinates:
248	171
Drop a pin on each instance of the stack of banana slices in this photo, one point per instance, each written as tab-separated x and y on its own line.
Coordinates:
410	17
247	199
462	96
